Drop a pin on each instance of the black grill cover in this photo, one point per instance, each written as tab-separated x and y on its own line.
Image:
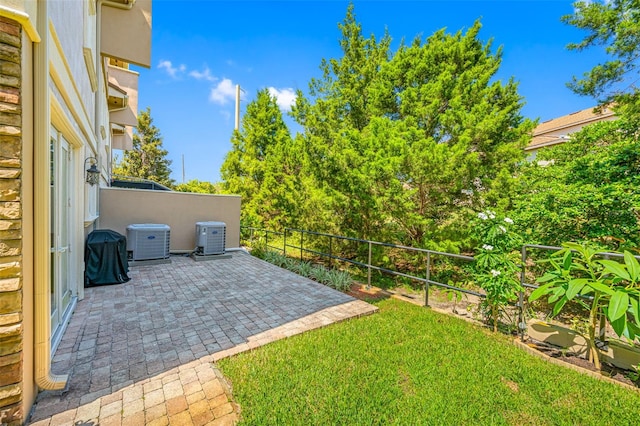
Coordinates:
105	258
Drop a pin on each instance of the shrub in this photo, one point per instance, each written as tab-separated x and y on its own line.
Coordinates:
610	288
339	280
320	274
274	258
303	268
496	268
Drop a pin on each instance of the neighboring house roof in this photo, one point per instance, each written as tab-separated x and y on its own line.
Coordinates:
557	130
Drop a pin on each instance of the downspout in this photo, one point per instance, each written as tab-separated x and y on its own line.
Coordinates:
42	204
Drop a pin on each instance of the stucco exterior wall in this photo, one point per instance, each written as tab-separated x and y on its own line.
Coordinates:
180	210
68	18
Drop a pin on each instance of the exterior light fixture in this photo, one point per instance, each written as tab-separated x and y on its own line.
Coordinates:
93	174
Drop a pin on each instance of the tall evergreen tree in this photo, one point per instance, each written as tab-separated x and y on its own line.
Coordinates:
458	130
406	146
338	110
147	159
246	170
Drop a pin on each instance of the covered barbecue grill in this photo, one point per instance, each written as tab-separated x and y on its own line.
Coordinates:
105	258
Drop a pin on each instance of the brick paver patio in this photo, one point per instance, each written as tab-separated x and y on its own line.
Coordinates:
144	352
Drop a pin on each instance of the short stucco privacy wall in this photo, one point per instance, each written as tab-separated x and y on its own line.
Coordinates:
180	210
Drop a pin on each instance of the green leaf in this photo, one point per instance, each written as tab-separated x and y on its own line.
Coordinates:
572	246
553	296
634	330
615	268
633	267
557	293
635	309
598	286
575	286
559	305
540	291
618	305
547	277
567	260
586	290
619	325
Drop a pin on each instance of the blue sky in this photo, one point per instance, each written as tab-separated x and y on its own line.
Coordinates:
202	49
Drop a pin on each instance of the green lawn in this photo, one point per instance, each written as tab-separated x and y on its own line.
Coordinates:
408	365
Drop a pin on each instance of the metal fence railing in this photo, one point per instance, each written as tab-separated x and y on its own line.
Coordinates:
292	241
255	233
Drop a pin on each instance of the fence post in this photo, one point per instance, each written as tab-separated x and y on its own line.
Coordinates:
521	325
301	243
369	268
284	244
426	284
330	253
266	239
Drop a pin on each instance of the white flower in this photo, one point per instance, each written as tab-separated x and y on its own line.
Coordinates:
503	229
482	216
487	247
508	220
495	273
492	215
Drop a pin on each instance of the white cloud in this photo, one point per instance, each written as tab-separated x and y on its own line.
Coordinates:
285	98
170	69
203	75
223	92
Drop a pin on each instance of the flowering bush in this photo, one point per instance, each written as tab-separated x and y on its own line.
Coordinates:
496	263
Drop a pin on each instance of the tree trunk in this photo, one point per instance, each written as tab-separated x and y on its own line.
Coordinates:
594	356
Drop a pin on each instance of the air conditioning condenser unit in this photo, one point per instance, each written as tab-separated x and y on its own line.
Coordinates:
210	238
146	241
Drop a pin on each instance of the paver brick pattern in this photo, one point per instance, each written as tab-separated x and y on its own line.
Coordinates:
143	352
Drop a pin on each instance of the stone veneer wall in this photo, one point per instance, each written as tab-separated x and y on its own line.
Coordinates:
11	327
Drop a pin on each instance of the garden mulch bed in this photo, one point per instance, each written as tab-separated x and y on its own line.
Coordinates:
607	370
368	294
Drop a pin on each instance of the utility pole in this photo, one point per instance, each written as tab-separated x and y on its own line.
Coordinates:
237	107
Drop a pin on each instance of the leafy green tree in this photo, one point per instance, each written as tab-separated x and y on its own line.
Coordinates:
461	129
200	187
406	145
339	108
247	171
614	24
587	193
147	159
278	200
